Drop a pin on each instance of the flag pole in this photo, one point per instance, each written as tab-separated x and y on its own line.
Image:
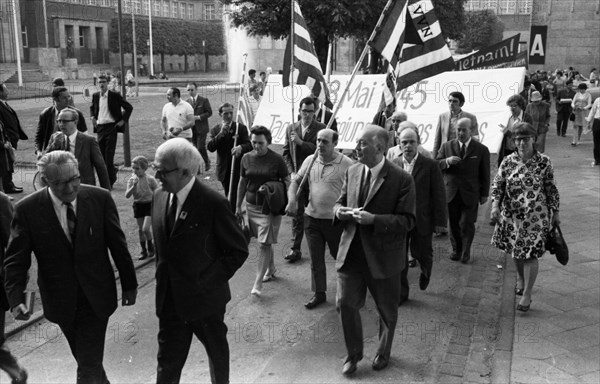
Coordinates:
347	88
328	67
292	143
237	129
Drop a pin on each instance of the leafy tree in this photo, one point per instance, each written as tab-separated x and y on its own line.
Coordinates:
327	20
482	29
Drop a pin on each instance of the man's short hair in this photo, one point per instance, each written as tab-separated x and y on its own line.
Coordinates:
309	100
409	125
194	84
74	113
224	105
262	130
517	99
141	161
57	91
380	136
400	115
459	96
262	73
103	76
334	134
252	72
182	152
58	82
176	92
54	158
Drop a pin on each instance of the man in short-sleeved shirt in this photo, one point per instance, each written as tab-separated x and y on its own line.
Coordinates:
177	116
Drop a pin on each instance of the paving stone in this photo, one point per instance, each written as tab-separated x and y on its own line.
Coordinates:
453	359
452	370
458	349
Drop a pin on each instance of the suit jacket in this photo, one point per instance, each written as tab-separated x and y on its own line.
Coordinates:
392	200
204	250
62	267
12	126
431	208
443	129
201	108
6	214
45	127
308	147
119	108
223	144
471	176
88	155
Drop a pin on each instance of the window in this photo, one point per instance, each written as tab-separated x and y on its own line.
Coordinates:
24	39
165	9
145	6
209	11
91	2
524	7
190	11
136	6
174	9
182	10
507	7
156	7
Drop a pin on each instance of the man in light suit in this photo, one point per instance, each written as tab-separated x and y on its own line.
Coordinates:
70	228
202	112
84	147
199	247
110	112
446	127
377	209
300	142
222	140
430	206
465	165
47	124
12	129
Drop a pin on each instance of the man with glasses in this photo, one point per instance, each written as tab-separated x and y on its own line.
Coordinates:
110	112
300	142
177	117
202	112
70	228
465	165
47	122
446	127
84	147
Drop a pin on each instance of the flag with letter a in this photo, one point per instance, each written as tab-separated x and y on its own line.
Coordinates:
410	38
307	69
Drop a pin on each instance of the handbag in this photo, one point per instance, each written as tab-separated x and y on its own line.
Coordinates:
556	245
241	220
572	117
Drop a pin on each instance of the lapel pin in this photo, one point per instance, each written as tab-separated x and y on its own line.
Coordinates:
183	215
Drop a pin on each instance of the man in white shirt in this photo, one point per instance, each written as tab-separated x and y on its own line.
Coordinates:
177	116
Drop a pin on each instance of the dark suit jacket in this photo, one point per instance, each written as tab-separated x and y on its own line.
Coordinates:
119	108
6	213
470	177
45	127
443	129
392	201
204	250
62	267
308	147
431	208
201	108
12	126
88	155
223	143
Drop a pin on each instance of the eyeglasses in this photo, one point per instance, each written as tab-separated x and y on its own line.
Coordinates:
190	90
396	120
453	101
62	184
162	172
308	111
59	121
525	139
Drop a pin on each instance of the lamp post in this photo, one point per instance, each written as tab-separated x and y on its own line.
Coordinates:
150	38
204	54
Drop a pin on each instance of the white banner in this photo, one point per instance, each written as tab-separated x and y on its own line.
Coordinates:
486	92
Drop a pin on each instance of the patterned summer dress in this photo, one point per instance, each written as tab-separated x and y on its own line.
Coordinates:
527	194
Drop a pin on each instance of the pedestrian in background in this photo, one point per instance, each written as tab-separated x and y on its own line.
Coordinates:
517	105
581	104
539	111
562	104
593	120
202	111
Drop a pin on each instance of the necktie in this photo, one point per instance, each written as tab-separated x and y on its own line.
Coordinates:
364	189
68	142
71	221
172	214
462	151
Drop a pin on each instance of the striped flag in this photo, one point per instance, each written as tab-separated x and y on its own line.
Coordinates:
411	40
389	92
245	113
307	69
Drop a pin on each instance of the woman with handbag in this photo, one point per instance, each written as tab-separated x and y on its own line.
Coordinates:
525	204
258	167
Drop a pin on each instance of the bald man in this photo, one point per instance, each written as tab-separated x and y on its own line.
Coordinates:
396	151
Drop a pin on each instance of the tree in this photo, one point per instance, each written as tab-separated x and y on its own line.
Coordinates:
328	20
482	29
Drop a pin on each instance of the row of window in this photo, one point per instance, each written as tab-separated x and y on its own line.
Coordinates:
160	8
502	7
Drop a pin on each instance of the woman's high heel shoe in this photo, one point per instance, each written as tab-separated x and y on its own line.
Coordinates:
256	292
524	308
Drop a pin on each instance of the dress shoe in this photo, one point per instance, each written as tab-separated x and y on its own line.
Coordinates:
293	256
465	258
144	256
412	263
269	277
454	256
350	364
518	291
524	308
13	189
423	282
379	363
318	298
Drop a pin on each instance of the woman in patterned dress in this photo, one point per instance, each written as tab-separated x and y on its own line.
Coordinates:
525	205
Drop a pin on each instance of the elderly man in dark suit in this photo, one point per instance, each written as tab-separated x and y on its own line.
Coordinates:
12	129
300	142
430	206
47	124
71	228
465	165
377	209
446	127
110	112
84	147
199	247
222	140
202	112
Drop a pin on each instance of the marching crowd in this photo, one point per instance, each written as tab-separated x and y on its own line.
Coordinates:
372	211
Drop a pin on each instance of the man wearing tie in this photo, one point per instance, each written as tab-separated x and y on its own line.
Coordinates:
12	129
199	247
84	147
70	228
465	165
430	206
222	140
202	112
377	209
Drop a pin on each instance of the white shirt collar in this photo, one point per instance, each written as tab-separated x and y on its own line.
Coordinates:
466	144
375	170
183	194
